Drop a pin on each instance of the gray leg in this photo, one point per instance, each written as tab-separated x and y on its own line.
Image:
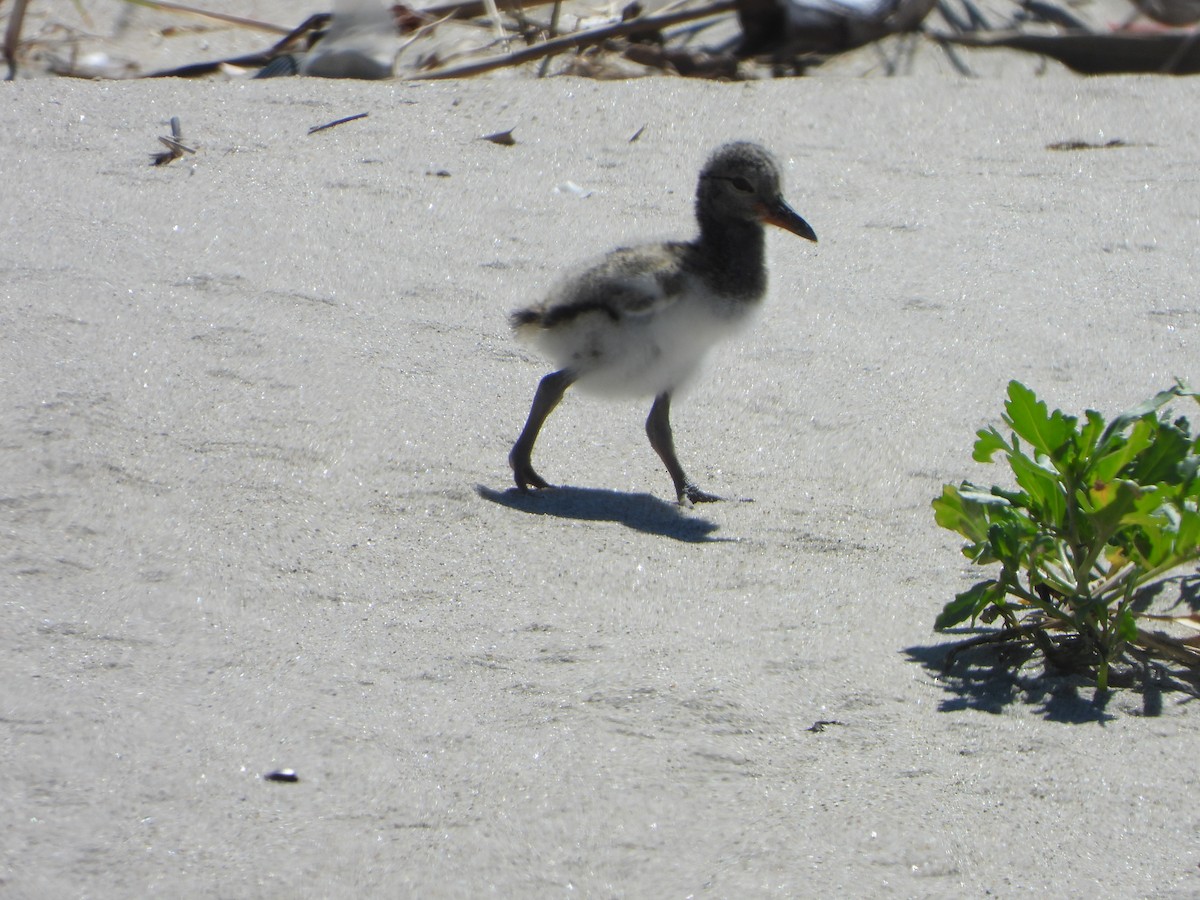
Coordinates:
550	391
658	429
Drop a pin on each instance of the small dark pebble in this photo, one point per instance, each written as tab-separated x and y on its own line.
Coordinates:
287	776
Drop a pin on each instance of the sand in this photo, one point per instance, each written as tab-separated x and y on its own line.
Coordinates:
255	510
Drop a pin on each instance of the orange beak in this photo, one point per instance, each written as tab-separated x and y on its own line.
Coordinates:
783	216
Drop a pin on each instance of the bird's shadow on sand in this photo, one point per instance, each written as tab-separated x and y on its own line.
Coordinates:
988	678
641	512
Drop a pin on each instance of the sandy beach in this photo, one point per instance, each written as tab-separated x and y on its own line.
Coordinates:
255	510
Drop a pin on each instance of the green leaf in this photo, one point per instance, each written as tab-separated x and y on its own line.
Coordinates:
1110	504
1012	498
988	444
1150	535
1153	405
1006	540
1188	470
1107	467
1125	626
1090	433
1044	488
1162	460
962	511
1028	417
969	604
1187	541
1098	511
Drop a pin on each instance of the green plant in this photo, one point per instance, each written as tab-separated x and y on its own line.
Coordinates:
1098	513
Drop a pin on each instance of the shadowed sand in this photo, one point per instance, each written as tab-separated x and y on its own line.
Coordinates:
256	511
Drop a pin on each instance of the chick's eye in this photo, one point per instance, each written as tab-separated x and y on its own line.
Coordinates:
741	184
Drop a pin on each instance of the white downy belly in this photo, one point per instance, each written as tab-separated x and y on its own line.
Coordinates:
640	355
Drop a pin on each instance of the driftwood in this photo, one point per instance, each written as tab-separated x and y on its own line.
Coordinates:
582	39
1100	54
761	20
291	41
407	19
688	63
769	27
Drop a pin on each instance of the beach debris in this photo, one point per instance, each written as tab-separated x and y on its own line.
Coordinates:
683	62
12	36
1086	145
1164	53
570	187
1173	13
1048	13
360	41
821	724
336	122
503	138
551	32
365	39
300	37
297	42
1080	47
283	776
807	26
637	134
596	36
174	144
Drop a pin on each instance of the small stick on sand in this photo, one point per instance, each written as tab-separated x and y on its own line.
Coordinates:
337	122
174	145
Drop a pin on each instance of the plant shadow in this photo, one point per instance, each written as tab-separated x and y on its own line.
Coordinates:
641	512
989	677
1187	585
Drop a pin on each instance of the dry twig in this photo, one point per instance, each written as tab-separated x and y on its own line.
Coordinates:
337	122
582	39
